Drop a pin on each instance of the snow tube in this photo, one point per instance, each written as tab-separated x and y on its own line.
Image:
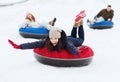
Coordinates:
64	58
102	25
31	32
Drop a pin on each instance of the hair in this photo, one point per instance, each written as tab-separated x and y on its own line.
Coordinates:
50	46
109	6
33	18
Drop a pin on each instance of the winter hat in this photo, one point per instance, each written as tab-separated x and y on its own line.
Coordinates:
55	32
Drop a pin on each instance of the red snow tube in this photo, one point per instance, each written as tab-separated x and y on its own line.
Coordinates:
64	58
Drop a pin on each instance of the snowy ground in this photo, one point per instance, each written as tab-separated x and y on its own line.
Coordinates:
21	66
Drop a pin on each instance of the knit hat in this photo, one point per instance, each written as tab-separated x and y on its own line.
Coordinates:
55	32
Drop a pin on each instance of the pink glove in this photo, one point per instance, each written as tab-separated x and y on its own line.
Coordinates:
14	45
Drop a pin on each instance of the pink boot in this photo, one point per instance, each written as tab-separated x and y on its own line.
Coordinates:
80	16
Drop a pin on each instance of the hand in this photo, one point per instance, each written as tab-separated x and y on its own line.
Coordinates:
14	45
109	19
82	48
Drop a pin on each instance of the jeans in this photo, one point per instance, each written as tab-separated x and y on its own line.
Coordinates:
97	20
77	41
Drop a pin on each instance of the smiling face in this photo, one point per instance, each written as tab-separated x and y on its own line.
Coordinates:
109	8
54	41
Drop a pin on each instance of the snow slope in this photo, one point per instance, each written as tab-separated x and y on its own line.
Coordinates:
21	66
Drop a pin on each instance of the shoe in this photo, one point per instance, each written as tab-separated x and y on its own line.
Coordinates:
54	20
81	15
95	18
81	12
52	23
88	21
78	24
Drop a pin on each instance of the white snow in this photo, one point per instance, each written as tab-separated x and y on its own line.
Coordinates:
21	66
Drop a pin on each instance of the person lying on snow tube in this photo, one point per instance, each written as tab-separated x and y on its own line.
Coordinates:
104	15
30	21
57	40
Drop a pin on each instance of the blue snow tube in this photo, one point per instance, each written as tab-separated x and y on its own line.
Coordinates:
31	32
102	25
